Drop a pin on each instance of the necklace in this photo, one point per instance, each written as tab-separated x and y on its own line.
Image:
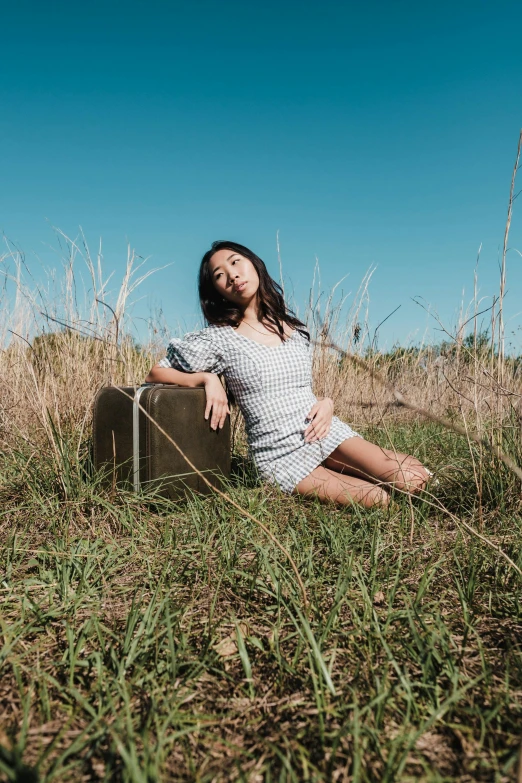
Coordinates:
257	330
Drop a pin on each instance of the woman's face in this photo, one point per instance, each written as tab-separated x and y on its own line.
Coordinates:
234	276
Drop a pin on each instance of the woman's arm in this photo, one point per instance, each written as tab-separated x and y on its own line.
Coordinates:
217	401
160	374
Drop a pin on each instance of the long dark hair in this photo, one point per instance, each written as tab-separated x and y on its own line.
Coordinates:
219	311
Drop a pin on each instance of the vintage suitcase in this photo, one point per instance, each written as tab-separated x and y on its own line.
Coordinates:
131	451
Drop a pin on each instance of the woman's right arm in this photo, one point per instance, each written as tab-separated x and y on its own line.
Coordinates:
217	402
160	374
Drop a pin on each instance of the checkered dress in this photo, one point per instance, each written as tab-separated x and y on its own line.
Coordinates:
273	388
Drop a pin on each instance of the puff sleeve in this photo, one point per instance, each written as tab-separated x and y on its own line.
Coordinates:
196	352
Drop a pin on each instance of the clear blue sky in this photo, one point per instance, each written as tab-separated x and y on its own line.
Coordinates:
366	133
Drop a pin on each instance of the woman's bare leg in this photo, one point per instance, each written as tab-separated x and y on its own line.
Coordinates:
327	484
358	457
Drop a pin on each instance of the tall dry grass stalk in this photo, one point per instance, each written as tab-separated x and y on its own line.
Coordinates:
502	291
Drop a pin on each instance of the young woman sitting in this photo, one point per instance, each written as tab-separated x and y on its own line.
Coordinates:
265	354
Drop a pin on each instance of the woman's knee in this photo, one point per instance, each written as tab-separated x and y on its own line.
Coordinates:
347	491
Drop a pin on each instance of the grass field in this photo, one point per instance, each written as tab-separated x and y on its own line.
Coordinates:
144	640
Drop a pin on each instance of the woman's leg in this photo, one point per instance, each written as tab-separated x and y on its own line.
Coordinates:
358	457
330	485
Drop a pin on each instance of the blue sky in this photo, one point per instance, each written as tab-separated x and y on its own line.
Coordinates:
369	133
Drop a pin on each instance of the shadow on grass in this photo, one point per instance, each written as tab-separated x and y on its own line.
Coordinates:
17	772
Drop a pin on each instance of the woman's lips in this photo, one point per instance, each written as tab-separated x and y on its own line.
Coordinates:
239	288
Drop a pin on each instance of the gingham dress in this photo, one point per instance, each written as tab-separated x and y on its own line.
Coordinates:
272	386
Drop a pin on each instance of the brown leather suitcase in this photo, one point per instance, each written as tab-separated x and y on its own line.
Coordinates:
132	452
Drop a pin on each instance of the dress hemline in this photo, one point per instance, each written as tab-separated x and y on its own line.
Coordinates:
288	488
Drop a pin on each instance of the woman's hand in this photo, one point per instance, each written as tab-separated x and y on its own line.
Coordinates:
217	402
320	418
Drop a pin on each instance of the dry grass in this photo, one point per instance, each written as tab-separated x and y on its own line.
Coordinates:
59	351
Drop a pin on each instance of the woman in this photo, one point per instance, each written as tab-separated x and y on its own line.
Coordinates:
264	352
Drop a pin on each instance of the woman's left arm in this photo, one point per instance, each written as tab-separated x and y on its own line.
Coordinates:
320	418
